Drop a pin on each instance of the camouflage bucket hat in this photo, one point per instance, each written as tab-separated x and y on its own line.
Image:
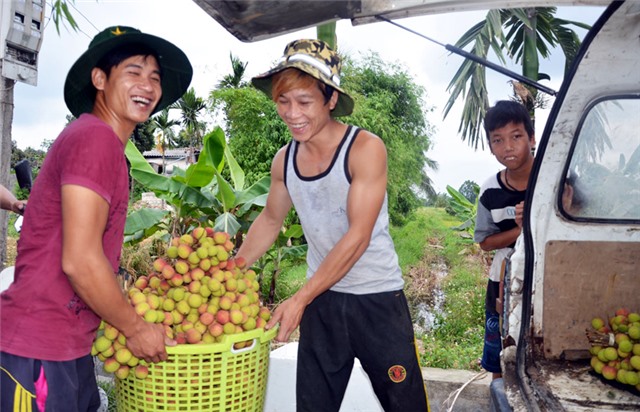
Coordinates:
79	93
318	60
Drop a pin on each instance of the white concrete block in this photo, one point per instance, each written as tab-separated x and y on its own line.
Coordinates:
281	385
6	278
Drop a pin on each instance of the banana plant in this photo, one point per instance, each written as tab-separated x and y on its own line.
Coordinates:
463	209
196	195
281	250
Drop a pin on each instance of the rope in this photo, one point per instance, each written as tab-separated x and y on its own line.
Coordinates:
449	403
21	398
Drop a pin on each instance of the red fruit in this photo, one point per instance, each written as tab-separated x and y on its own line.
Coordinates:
622	312
207	318
193	336
181	338
241	262
222	316
228	245
198	233
158	264
168	271
609	372
142	282
141	371
216	329
220	237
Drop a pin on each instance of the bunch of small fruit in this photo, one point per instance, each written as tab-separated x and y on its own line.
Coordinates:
615	347
198	291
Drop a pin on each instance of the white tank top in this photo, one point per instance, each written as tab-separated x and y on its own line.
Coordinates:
321	204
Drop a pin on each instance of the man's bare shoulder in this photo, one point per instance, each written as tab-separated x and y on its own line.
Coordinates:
367	143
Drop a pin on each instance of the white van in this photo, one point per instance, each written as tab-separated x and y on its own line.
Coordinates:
579	259
576	259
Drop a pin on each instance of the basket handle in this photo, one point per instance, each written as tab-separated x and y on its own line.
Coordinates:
249	348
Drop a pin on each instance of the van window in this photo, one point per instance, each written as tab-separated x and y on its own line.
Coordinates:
603	178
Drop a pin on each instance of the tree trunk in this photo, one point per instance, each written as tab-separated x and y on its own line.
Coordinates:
327	32
6	117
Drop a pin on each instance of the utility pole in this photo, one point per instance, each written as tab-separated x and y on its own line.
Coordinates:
6	117
21	30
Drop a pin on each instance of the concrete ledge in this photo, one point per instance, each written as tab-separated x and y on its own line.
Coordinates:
443	382
440	383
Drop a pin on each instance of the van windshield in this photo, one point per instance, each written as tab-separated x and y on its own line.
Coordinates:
603	179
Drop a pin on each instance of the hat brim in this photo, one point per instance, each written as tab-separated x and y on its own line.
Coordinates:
79	92
262	82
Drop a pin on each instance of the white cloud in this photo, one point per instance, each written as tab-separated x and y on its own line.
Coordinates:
40	111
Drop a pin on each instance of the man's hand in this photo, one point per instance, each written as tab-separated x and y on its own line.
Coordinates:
18	206
288	314
519	214
148	342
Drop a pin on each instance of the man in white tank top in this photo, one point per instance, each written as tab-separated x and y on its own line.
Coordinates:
352	304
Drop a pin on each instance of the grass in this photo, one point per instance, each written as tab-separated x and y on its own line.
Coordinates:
110	389
457	337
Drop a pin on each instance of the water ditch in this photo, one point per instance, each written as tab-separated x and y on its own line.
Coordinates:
427	306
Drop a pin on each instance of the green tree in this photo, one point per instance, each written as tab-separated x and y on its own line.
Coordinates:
391	105
161	127
35	157
61	15
525	35
143	136
469	189
191	109
254	128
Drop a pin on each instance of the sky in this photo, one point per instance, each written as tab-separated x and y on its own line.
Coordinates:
39	111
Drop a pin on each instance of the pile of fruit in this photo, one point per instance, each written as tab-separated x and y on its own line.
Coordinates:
615	347
197	291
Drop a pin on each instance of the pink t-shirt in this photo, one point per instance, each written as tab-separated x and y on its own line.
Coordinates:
41	317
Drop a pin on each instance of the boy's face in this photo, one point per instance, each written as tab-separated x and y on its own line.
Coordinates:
511	145
304	111
133	88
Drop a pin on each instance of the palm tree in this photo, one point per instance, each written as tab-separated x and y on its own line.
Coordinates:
235	79
162	127
525	34
190	107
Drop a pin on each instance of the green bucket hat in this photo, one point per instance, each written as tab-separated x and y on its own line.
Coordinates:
79	93
318	60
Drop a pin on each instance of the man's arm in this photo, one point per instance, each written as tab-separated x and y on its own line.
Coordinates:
368	167
9	202
504	239
500	239
84	217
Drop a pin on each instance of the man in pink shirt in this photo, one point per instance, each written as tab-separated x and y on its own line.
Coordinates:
72	235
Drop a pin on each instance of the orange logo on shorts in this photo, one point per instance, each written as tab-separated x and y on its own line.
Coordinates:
397	373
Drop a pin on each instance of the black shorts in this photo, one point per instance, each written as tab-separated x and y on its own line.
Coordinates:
376	329
66	386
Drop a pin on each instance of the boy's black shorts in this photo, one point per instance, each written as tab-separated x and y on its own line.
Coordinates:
375	328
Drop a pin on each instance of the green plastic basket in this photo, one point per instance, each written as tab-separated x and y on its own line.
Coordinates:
204	378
